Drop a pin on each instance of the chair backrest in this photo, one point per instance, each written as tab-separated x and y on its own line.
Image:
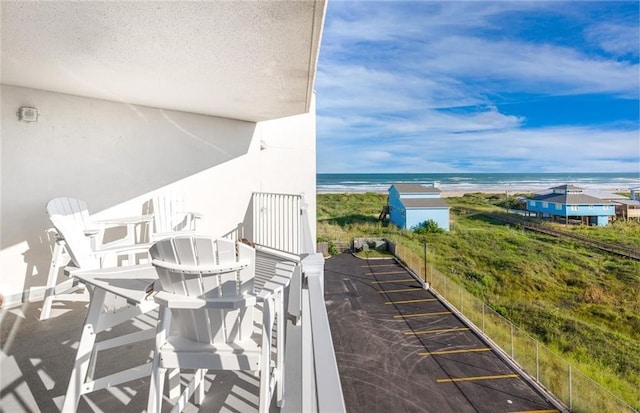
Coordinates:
169	214
70	217
207	325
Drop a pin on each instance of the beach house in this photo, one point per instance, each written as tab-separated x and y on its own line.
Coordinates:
568	202
410	205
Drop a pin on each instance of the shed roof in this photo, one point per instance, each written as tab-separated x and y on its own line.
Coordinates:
416	189
419	203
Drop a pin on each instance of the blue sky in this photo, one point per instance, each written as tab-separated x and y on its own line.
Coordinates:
479	86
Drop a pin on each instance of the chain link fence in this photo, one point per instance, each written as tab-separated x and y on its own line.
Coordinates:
569	385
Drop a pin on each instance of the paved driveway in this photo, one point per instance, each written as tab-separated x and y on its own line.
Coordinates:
399	349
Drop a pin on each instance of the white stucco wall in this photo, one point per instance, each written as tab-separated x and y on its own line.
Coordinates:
114	155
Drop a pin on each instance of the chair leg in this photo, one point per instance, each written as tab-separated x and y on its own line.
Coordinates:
156	384
198	397
50	290
87	341
174	384
154	404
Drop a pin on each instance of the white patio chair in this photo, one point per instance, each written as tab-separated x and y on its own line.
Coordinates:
208	287
73	215
169	216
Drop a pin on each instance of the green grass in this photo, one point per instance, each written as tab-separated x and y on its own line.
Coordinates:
579	301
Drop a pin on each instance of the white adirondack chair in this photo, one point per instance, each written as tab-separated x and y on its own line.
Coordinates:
72	223
169	216
208	286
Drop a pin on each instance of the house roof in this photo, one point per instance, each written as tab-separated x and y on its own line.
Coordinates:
241	60
419	203
568	187
570	199
416	189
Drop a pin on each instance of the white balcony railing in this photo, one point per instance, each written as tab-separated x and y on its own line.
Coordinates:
276	221
281	223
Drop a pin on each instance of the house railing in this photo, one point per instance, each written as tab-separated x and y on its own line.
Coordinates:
286	216
546	369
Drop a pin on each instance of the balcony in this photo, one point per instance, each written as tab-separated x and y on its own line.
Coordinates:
37	357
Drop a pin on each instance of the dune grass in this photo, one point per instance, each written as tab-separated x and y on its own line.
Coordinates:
579	301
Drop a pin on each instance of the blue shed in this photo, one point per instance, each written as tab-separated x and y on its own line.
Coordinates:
567	201
412	204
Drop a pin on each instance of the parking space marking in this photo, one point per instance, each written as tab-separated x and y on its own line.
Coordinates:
385	273
393	281
380	265
463	350
460	379
538	411
422	314
419	300
442	330
402	290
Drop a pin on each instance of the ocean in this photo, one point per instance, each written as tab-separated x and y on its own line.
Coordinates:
471	182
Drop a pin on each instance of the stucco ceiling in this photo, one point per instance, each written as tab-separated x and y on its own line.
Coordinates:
249	60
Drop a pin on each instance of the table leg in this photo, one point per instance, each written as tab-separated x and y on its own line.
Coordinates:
87	341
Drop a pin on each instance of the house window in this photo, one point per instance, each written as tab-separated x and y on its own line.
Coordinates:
590	206
558	206
545	205
574	207
605	207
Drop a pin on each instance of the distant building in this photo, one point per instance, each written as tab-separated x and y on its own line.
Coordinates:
569	202
410	205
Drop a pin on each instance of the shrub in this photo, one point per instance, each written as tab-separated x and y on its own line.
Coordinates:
428	227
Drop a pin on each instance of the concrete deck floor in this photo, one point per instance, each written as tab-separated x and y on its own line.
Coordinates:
378	344
37	358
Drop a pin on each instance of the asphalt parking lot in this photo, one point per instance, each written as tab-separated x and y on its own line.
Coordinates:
399	349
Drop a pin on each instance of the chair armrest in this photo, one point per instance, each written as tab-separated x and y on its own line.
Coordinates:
170	300
91	232
196	215
123	249
53	234
202	269
121	221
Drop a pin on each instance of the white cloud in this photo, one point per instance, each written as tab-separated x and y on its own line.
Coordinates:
619	39
412	89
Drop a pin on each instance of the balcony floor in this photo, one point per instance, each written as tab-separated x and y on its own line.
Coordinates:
36	359
377	345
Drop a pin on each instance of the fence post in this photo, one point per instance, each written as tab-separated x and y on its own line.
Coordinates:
570	390
483	316
511	325
425	262
537	361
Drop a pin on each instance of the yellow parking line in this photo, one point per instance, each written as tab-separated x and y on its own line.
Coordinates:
385	273
393	281
538	411
464	350
380	265
421	314
420	300
402	290
444	330
459	379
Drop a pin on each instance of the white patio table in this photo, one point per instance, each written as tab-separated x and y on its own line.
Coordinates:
135	285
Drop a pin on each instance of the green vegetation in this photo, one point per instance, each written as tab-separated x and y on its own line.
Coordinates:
581	302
